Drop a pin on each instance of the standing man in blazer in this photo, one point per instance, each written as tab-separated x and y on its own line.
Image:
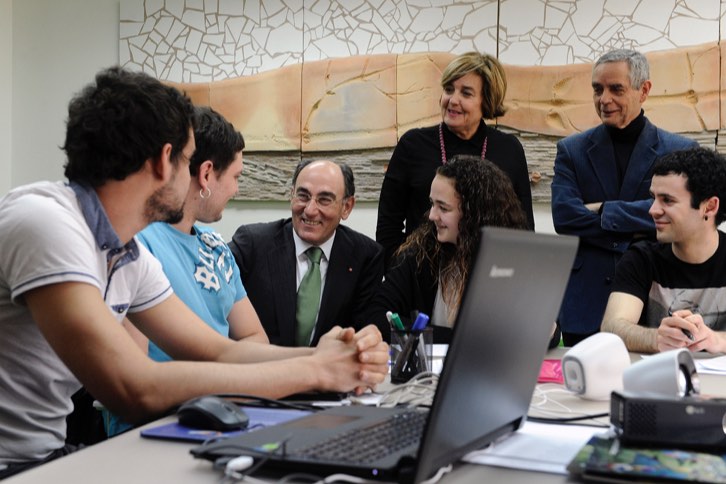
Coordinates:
600	186
273	261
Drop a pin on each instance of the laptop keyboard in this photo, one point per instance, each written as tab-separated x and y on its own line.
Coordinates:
369	444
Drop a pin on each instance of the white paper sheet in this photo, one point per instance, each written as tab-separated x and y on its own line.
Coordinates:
536	447
713	366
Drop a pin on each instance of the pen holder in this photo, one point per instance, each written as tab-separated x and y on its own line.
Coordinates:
411	353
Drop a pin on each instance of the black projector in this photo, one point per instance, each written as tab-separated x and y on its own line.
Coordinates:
694	421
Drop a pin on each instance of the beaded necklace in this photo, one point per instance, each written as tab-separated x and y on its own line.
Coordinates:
443	147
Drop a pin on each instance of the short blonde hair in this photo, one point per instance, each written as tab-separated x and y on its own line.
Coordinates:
494	81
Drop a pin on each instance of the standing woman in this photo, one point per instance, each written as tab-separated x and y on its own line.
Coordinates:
431	268
474	86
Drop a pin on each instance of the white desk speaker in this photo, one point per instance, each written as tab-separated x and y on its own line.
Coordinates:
669	374
594	367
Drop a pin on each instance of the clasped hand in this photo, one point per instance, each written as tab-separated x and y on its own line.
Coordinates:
354	361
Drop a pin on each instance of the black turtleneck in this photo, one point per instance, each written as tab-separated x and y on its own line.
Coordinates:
624	140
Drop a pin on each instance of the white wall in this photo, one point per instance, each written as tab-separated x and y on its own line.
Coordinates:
48	59
6	59
57	47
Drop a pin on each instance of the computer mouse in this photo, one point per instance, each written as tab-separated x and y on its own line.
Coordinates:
212	413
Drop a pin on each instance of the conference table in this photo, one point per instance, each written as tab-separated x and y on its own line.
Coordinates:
130	458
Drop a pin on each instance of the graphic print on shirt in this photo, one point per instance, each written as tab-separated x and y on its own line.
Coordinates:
214	262
709	302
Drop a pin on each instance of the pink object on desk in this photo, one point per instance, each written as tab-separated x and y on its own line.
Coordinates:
550	372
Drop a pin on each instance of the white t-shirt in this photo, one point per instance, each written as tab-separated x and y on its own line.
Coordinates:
51	233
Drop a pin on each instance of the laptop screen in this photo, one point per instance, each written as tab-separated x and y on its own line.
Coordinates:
499	340
511	300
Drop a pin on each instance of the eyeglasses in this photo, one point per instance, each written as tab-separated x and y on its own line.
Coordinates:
323	201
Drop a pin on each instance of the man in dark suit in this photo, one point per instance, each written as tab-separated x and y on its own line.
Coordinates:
600	186
273	258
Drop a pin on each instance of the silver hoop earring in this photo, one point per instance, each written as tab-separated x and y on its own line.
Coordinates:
201	193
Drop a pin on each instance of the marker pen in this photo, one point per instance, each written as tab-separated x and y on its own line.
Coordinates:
397	321
421	321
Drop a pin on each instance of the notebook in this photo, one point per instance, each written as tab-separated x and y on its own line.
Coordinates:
499	341
604	459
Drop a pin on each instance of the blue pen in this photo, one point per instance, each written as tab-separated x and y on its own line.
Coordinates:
421	321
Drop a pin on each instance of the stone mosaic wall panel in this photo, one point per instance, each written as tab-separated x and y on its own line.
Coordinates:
349	102
344	79
264	107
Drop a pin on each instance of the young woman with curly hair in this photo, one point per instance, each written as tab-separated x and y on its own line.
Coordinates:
430	269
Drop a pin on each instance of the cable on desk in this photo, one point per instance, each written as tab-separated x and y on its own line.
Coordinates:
245	475
417	392
540	398
257	401
439	474
354	479
297	478
570	419
542	393
300	477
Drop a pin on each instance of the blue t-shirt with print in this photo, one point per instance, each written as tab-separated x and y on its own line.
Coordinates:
202	272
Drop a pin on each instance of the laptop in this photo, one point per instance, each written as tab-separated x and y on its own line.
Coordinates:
498	344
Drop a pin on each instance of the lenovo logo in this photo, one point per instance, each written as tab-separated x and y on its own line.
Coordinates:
501	272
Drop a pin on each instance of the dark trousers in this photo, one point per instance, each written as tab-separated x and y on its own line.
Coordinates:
85	423
571	339
19	467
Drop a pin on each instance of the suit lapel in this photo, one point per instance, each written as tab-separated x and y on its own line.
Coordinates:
281	258
336	278
641	162
601	156
341	267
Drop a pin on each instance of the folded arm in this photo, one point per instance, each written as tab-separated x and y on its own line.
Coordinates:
572	214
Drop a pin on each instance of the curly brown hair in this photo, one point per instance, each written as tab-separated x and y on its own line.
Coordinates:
487	198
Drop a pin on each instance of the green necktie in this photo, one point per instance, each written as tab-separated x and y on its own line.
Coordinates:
308	297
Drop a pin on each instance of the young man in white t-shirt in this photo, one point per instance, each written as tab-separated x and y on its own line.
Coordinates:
71	271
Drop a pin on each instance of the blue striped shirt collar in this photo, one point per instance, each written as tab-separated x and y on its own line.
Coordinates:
97	220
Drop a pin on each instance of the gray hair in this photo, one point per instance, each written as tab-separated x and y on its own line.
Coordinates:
348	178
637	65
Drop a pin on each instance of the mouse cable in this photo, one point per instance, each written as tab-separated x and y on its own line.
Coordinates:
249	401
257	401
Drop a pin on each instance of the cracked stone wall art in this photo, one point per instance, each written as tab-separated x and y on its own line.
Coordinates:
344	79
